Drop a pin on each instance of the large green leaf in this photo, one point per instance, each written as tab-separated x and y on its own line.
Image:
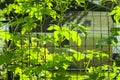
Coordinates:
75	37
28	26
6	58
5	35
116	13
101	42
78	56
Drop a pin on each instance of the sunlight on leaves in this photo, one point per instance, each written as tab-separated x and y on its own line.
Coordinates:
65	66
18	70
53	27
75	37
116	14
79	56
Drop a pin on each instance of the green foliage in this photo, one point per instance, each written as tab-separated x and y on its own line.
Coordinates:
77	55
94	73
111	39
116	13
26	55
60	34
29	57
114	1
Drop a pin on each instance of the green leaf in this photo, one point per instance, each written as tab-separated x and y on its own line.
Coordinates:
72	50
65	66
56	35
75	37
78	56
80	1
65	29
83	30
104	54
117	18
116	13
53	27
2	59
89	56
66	34
6	58
101	42
115	31
49	5
28	26
18	70
54	14
113	12
4	35
23	31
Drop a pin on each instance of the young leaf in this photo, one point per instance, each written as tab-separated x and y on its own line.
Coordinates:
101	42
75	37
65	66
78	56
54	27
